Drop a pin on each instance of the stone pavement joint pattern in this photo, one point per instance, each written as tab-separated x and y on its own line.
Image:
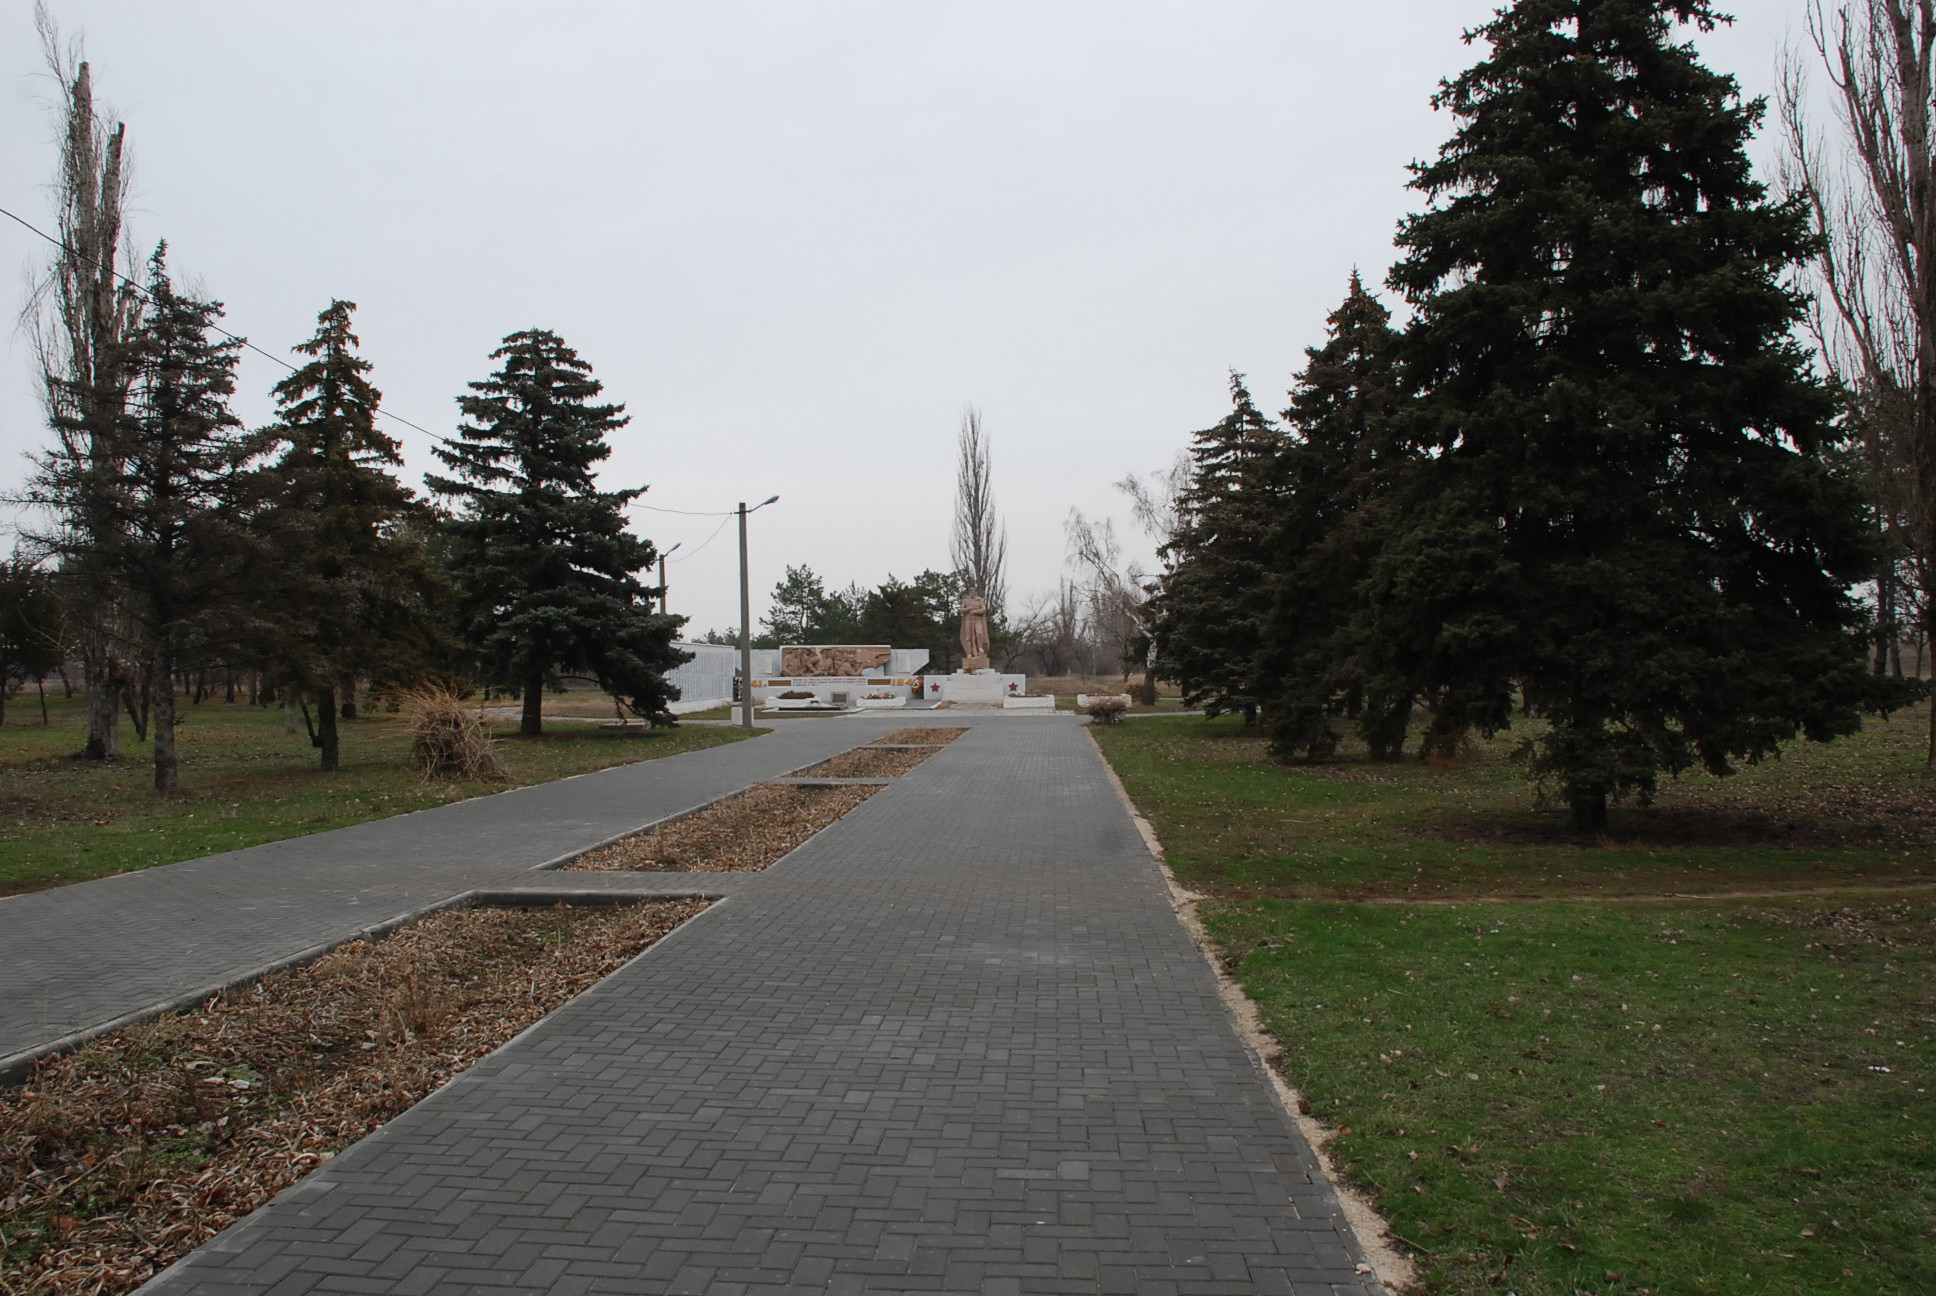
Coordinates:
957	1042
79	956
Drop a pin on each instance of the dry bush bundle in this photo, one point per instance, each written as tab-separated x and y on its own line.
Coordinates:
935	737
448	737
864	762
120	1158
741	834
1106	709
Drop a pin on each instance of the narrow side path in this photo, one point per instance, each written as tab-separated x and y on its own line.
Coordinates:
958	1042
77	956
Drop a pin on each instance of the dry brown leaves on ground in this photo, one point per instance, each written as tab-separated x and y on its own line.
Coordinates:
864	762
1884	926
931	737
1821	818
120	1158
741	834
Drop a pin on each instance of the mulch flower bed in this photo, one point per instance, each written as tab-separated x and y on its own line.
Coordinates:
937	737
869	762
121	1157
741	834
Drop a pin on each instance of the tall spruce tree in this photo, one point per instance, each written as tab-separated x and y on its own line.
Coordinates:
1339	466
173	528
543	561
1210	608
1624	503
357	587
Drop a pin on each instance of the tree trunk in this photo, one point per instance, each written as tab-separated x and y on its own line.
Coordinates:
326	737
531	723
288	710
103	708
167	765
1148	690
139	715
1885	618
1589	809
41	684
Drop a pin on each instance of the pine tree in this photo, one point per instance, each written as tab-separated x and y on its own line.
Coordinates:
1339	465
357	585
797	606
542	558
1209	611
1623	504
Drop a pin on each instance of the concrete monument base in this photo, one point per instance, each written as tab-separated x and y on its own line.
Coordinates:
987	688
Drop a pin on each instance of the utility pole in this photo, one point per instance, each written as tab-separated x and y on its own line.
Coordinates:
746	619
662	580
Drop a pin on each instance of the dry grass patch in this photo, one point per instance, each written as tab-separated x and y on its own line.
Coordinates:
742	834
120	1158
937	737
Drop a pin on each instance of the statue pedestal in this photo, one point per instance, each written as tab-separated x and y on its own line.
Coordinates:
983	688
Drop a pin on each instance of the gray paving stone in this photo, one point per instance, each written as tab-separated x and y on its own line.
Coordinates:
78	956
957	1042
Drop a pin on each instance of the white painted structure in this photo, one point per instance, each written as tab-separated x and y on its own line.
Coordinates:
706	680
977	688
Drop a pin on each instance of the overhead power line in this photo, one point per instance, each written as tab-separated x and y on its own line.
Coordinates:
233	337
31	228
684	512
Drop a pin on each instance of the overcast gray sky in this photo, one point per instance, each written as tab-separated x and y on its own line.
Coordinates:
796	239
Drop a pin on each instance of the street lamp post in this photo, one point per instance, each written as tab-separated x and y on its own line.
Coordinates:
662	580
746	619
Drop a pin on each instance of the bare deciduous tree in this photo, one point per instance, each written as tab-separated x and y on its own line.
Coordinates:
1117	597
1048	634
980	544
82	317
1873	195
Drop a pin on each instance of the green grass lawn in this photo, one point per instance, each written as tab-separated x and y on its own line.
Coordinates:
245	782
1602	1094
1857	812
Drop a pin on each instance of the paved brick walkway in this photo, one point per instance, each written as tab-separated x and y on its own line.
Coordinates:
958	1042
78	956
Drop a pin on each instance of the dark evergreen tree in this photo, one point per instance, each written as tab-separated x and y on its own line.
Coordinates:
1209	610
1338	466
34	632
804	611
356	590
1622	503
797	606
921	613
543	561
173	527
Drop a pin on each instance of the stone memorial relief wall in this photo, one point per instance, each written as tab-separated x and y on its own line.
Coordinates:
833	659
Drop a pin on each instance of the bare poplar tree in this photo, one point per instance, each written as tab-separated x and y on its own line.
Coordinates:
83	316
980	544
1873	195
